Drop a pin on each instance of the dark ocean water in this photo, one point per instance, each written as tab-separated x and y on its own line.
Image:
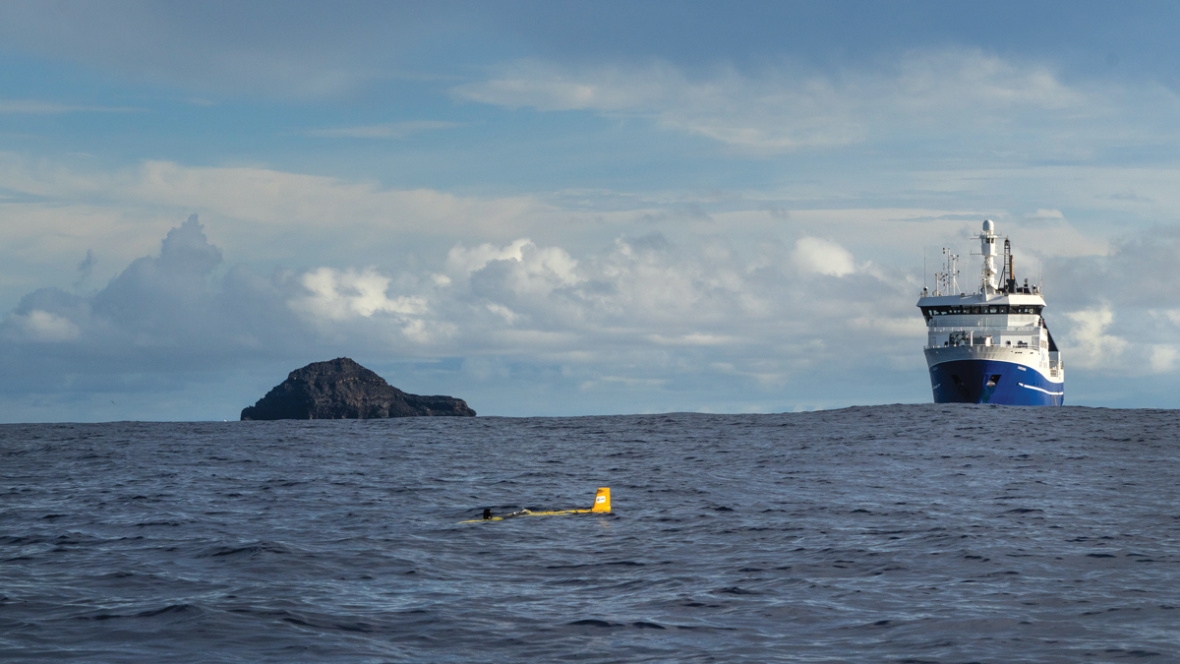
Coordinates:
928	533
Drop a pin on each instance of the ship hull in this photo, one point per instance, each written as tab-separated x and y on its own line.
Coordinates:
993	381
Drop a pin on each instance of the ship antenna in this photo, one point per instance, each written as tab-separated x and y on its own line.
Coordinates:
947	281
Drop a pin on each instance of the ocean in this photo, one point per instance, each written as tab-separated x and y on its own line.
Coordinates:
907	533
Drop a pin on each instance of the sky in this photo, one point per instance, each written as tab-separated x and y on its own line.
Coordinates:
572	208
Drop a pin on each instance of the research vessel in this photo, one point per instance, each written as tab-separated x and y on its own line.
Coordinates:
992	346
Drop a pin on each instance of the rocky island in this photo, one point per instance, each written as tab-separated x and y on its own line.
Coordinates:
342	389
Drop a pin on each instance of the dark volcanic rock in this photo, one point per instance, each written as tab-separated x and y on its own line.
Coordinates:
342	389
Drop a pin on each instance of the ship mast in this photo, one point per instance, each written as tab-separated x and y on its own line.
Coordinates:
987	246
947	281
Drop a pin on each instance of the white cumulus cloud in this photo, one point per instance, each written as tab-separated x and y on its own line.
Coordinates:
1093	346
813	254
343	294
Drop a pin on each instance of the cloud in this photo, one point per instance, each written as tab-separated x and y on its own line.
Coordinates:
465	261
1163	358
158	294
307	52
38	325
1119	309
331	296
636	312
522	267
157	301
58	211
813	254
1135	271
38	107
1093	347
85	269
1045	216
784	109
391	130
106	210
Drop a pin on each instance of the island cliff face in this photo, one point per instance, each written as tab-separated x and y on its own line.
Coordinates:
342	389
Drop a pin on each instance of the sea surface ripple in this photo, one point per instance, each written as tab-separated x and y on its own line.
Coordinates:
914	533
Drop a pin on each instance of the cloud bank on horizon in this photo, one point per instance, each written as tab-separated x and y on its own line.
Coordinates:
561	214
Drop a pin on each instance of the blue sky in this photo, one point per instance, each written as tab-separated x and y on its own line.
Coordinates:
571	208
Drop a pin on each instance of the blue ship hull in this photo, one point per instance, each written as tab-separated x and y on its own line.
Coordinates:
989	381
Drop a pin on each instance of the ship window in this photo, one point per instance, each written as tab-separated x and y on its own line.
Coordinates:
979	309
960	310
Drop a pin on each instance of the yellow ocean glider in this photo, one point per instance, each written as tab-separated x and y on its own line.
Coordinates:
601	506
